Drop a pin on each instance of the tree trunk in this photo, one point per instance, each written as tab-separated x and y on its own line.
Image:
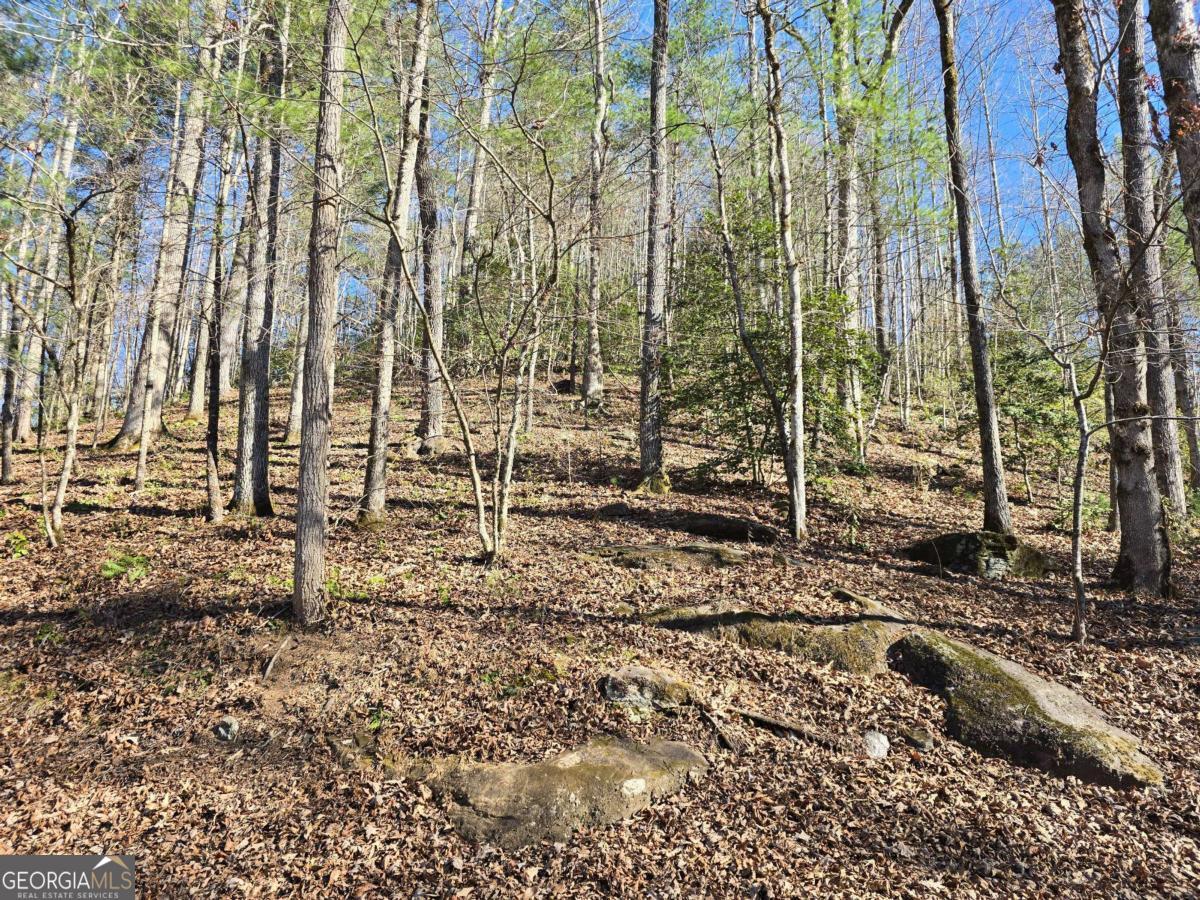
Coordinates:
794	448
995	496
249	496
150	376
1177	39
430	426
1144	564
1144	236
593	364
372	510
312	492
650	417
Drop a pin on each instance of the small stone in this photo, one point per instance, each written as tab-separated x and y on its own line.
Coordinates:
876	744
227	729
645	688
917	737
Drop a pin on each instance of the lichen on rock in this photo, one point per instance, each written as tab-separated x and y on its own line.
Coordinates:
603	781
1002	709
857	646
987	554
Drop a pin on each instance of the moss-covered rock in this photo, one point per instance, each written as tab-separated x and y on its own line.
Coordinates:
681	558
658	485
984	553
1002	709
646	688
858	646
604	781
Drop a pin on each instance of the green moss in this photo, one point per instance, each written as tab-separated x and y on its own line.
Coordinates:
858	647
991	710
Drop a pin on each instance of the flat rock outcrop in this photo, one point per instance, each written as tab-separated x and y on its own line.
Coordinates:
603	781
679	558
858	645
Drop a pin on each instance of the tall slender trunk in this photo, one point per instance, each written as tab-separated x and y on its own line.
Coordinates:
593	364
249	496
312	491
434	299
27	381
296	404
650	414
150	377
216	271
995	496
797	493
1144	563
372	510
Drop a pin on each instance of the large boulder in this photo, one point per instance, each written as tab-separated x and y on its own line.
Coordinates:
645	688
1002	709
603	781
680	558
858	645
988	554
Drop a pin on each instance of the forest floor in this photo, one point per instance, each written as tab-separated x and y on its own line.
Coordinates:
121	650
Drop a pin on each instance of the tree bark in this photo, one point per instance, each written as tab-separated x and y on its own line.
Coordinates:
1144	236
146	399
1144	564
312	492
374	500
430	426
650	414
794	447
250	497
1177	40
593	364
995	496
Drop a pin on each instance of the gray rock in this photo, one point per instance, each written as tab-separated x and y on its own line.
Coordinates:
917	737
987	554
227	729
1002	709
645	688
603	781
876	744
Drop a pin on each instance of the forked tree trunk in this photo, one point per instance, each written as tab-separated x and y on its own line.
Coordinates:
312	491
1144	236
1144	564
995	496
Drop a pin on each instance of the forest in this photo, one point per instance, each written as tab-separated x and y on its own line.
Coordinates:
677	448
